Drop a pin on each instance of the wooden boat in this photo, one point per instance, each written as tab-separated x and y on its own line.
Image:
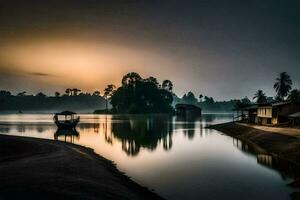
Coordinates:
66	120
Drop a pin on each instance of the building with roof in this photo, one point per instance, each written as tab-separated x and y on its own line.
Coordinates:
276	113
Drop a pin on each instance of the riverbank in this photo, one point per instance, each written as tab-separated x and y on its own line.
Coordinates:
281	145
45	169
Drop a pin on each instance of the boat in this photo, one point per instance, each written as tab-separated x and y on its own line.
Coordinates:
66	120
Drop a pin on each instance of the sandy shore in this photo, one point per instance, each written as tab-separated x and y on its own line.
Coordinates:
44	169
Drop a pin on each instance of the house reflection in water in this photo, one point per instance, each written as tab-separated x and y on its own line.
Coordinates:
67	135
187	125
240	145
265	159
284	167
138	132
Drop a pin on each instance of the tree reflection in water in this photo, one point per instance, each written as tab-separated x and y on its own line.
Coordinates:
138	132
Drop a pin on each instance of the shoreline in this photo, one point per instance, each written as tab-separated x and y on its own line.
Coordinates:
283	145
41	168
284	149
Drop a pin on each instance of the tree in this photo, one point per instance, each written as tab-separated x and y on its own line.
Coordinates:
131	79
152	80
5	93
75	91
40	94
21	94
200	97
294	96
138	95
56	94
260	97
167	85
209	100
243	103
68	91
96	93
283	85
189	98
108	91
246	100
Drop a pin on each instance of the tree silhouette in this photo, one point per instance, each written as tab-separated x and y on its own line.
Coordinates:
5	93
294	96
21	94
40	94
260	97
137	95
96	93
189	98
283	85
167	85
75	91
68	91
152	80
56	94
200	97
108	91
130	79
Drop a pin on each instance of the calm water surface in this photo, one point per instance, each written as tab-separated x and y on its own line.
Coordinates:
176	157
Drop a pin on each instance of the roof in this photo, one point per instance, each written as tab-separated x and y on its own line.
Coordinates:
295	115
67	112
281	103
274	104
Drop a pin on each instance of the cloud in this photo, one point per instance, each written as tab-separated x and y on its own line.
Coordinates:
39	74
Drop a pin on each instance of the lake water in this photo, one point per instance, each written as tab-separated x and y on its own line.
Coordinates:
176	157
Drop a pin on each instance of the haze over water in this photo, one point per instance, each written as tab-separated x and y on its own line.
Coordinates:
176	157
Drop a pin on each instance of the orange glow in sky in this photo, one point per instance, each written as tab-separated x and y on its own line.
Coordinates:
88	65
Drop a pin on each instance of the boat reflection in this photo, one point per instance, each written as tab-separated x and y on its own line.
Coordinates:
68	135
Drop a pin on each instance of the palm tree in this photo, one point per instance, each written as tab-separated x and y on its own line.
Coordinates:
294	96
108	91
260	97
283	85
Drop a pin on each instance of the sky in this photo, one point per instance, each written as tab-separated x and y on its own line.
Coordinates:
223	49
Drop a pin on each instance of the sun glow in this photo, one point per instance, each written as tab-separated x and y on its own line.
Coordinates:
84	64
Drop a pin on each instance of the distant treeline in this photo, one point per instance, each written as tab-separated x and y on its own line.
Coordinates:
207	104
71	100
282	86
139	95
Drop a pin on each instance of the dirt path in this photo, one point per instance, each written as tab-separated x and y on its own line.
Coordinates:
43	169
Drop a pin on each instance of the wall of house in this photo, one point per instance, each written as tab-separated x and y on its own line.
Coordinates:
274	120
265	112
